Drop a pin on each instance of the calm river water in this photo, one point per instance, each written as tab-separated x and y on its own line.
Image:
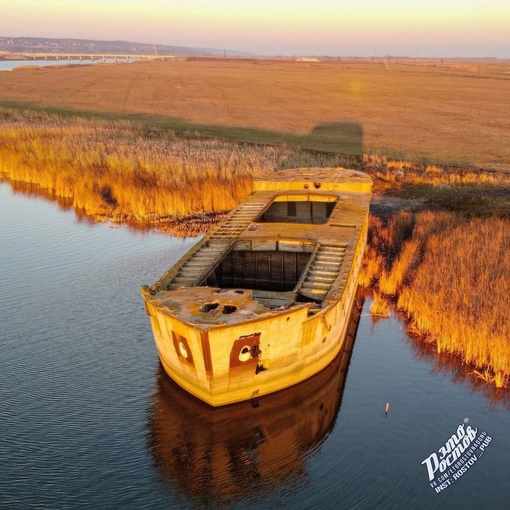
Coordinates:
88	419
8	65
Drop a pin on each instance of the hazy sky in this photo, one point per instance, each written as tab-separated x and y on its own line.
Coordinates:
424	28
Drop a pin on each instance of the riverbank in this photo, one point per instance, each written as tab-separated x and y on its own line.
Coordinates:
448	275
126	172
150	177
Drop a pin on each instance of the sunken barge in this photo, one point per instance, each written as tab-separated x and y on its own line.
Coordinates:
263	302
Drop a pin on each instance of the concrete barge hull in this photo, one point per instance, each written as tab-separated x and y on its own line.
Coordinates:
225	344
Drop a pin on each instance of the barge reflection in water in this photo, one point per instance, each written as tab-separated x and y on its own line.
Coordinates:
245	451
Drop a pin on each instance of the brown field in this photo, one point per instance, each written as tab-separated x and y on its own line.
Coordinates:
445	112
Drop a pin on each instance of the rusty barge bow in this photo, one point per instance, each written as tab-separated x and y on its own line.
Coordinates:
263	302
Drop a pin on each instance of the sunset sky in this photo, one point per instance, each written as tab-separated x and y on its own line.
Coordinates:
424	28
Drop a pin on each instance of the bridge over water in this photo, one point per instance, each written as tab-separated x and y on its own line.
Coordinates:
117	57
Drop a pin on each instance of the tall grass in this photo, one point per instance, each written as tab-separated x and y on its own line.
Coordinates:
450	276
391	175
115	170
125	172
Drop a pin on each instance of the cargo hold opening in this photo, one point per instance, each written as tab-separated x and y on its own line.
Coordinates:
262	265
299	208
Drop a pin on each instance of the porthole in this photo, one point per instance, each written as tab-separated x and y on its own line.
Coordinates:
245	353
183	350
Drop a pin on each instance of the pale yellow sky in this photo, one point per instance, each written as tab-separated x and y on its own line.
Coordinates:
395	27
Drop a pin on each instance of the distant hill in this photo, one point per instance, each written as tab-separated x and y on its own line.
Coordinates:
45	45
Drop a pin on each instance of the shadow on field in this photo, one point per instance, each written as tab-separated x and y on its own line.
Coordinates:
334	137
345	137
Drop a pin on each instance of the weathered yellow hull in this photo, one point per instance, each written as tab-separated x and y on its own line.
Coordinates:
222	346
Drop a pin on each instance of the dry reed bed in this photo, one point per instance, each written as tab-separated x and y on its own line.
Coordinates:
390	175
450	276
124	172
119	171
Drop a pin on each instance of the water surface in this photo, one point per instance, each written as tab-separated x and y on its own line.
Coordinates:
8	65
89	419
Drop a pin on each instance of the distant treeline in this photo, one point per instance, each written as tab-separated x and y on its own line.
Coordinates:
52	45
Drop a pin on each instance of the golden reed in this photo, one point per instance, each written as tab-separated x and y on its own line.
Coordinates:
126	172
116	171
450	276
390	175
122	171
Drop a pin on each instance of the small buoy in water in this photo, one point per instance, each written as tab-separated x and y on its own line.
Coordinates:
387	408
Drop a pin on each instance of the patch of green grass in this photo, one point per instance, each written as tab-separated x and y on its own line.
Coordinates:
470	200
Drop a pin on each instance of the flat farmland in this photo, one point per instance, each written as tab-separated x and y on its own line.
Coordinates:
444	112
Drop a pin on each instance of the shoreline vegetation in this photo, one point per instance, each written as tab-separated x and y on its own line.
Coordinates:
439	239
447	275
